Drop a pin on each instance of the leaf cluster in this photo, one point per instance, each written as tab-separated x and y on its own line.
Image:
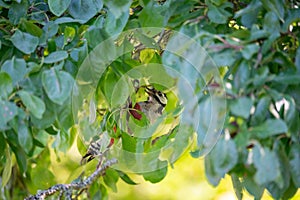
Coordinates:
255	45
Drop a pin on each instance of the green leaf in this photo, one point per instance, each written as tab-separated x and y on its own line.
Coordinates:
126	178
7	168
5	85
46	180
278	187
118	7
48	118
249	14
2	144
21	158
8	111
224	58
98	191
58	7
212	176
156	176
241	107
34	104
261	110
61	142
85	9
267	165
219	14
114	26
25	42
31	28
276	6
242	75
297	60
290	191
128	143
260	77
151	15
95	36
16	68
17	11
257	33
42	137
111	178
271	23
224	156
56	57
64	115
69	34
110	82
50	29
146	55
238	186
287	79
57	84
269	128
24	137
276	96
252	187
120	93
249	50
292	119
294	157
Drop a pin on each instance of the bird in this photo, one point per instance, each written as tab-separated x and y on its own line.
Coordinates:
98	148
152	108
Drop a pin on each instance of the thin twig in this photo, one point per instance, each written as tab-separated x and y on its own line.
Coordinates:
226	45
67	188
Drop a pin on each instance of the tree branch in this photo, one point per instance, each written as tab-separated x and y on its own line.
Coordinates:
66	189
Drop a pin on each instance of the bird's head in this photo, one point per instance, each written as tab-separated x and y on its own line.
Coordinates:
158	96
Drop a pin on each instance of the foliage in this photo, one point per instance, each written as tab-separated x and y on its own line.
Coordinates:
255	45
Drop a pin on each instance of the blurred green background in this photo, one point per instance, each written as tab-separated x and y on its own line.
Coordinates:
185	181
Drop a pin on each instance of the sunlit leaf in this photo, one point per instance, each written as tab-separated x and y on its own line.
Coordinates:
7	168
